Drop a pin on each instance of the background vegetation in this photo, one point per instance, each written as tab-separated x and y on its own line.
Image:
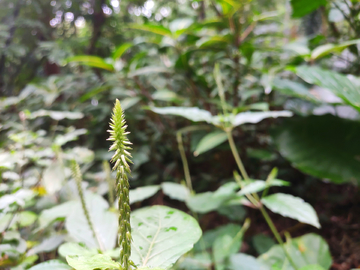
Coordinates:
201	82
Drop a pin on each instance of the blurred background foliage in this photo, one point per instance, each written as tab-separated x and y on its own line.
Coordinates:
63	63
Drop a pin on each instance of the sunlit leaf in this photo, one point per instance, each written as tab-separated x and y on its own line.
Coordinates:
92	61
153	28
293	207
119	51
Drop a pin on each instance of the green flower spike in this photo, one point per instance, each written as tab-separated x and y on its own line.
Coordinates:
120	159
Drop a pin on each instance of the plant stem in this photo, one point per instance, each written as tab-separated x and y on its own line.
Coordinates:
78	178
236	154
184	161
254	198
277	235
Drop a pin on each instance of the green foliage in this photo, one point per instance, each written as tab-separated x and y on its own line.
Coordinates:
232	70
331	155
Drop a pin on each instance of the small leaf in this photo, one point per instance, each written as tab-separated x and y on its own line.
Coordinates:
91	61
142	193
293	207
98	261
175	191
192	113
52	264
326	49
148	70
153	28
161	235
259	185
119	51
210	141
256	117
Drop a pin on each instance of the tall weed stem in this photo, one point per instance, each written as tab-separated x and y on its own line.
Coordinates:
254	198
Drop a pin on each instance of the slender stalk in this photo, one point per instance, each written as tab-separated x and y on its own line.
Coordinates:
236	154
277	235
78	179
184	161
254	198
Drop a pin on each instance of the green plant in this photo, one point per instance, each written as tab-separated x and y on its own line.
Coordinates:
118	136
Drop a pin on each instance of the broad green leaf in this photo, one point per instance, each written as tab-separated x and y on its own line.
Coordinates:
312	267
339	84
104	222
259	185
153	28
91	61
301	8
323	146
52	264
293	207
192	113
243	261
71	249
306	250
175	191
161	235
119	51
326	49
210	141
141	193
293	89
53	177
98	261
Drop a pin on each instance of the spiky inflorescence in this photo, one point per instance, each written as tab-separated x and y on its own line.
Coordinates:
120	159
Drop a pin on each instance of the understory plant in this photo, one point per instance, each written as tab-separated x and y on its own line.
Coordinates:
154	228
